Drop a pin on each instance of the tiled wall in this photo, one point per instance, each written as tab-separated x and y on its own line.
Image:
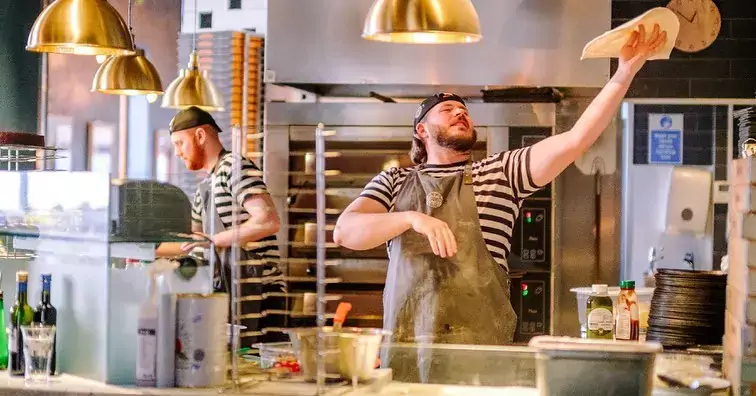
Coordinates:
701	123
726	69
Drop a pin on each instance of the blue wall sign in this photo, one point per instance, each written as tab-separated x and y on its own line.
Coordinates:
665	139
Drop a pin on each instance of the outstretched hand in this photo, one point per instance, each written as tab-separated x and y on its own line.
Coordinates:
639	47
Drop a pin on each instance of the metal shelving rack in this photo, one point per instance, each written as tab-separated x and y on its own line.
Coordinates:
12	156
320	259
242	376
15	158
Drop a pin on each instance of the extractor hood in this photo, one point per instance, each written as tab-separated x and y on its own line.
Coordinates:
316	45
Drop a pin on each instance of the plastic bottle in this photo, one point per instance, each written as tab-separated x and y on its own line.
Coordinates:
627	317
146	362
599	313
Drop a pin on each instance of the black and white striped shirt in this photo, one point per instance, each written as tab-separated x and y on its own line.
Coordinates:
500	183
226	187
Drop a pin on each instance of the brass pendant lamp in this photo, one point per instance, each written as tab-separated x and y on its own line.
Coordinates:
193	87
80	27
128	74
422	22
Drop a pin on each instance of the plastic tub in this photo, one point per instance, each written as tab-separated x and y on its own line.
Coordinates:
644	303
575	367
275	352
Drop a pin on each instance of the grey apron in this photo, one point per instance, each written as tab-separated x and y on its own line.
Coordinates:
428	299
252	310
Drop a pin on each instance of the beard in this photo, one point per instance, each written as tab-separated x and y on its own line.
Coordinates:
458	142
195	159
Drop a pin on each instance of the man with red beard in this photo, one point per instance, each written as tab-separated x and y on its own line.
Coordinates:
232	178
448	221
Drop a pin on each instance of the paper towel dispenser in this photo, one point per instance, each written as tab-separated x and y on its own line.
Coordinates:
689	200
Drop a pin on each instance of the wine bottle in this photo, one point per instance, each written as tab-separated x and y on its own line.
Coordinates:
46	314
21	314
3	334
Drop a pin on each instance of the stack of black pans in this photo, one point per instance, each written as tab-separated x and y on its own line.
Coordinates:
687	308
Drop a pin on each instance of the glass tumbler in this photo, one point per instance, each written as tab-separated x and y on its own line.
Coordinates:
38	348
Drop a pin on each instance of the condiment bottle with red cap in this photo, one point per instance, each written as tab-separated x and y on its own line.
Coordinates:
627	315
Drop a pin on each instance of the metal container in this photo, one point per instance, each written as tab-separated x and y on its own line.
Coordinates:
305	343
358	352
569	366
201	322
349	353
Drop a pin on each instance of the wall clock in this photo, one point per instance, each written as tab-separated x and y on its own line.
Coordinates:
700	22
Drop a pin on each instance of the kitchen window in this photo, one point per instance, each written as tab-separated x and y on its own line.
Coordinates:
206	20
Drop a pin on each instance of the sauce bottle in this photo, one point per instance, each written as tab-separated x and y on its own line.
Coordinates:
600	318
627	317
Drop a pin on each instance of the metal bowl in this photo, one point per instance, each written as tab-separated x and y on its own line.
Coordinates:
358	352
349	353
305	343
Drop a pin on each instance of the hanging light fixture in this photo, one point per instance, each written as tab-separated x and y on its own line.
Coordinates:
127	74
422	22
193	87
80	27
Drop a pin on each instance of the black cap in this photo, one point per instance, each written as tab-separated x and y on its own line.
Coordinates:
432	101
192	117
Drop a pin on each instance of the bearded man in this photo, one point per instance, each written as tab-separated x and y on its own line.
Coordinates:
448	221
233	200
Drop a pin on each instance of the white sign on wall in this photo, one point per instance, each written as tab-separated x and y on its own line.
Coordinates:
665	139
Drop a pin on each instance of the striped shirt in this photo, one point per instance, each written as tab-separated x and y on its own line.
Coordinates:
500	183
226	187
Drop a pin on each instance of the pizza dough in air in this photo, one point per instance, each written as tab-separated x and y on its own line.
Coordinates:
609	44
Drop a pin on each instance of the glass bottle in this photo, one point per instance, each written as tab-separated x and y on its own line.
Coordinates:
46	314
627	317
21	314
599	312
3	334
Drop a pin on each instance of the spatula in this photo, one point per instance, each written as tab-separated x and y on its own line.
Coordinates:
341	312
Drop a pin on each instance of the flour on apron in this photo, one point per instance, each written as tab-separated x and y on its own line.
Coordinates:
429	299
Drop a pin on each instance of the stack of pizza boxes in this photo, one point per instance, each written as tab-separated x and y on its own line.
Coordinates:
739	360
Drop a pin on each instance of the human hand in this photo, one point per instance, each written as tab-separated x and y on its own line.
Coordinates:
639	48
203	242
439	234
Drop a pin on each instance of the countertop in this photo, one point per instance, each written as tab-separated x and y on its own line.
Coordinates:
67	385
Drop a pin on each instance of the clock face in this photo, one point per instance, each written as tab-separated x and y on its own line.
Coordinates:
700	22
